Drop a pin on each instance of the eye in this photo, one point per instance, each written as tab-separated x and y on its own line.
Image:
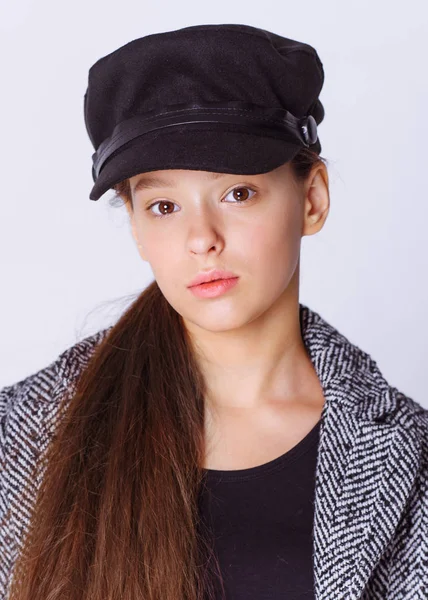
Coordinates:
242	198
163	204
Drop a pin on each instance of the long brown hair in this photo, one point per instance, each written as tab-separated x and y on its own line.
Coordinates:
117	513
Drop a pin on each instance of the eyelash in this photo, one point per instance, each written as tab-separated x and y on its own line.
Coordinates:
238	187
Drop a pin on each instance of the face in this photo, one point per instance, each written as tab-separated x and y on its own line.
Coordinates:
251	225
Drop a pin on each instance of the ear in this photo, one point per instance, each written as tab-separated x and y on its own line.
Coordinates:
316	202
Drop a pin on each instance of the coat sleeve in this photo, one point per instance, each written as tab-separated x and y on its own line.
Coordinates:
28	413
41	385
22	406
423	530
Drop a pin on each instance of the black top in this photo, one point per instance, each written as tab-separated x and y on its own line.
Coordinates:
262	520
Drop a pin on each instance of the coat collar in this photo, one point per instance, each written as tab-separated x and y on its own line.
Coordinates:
348	375
368	458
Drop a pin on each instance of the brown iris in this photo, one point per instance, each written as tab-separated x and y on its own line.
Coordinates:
238	191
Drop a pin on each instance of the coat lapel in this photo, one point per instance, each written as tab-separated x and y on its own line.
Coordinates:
368	458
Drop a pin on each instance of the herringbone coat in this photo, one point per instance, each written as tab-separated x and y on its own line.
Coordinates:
370	535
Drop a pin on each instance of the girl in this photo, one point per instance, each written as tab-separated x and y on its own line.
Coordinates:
221	440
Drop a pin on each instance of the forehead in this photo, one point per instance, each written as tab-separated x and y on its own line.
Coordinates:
173	177
170	178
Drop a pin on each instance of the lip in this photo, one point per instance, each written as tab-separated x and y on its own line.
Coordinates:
214	288
207	276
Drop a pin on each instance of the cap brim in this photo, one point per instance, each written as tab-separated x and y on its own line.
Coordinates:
201	149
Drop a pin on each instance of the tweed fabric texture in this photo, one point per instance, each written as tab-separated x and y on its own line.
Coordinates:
370	535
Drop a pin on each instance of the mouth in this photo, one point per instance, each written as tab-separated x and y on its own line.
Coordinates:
211	281
209	277
214	288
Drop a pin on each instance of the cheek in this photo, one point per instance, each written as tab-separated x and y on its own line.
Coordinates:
155	246
270	244
163	258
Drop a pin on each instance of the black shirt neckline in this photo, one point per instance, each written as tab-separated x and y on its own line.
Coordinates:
273	465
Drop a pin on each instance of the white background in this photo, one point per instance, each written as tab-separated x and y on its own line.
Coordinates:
69	266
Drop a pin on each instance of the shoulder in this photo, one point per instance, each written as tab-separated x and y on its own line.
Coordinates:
412	420
37	390
410	413
28	415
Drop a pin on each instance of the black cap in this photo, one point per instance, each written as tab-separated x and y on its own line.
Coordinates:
228	98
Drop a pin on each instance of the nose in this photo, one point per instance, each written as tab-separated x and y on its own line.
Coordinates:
205	231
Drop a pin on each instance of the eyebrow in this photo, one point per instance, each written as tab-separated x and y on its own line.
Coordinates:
147	182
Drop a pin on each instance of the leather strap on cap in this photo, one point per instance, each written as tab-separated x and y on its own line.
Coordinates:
256	118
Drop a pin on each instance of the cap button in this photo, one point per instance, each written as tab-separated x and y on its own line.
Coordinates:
309	130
